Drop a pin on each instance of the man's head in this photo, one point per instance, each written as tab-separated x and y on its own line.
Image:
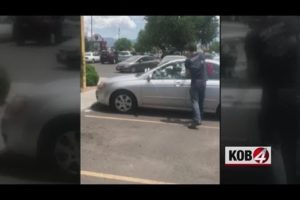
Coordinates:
191	50
4	86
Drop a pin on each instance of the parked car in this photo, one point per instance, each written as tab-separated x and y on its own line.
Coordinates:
123	55
43	122
166	87
41	29
92	57
108	56
69	53
137	64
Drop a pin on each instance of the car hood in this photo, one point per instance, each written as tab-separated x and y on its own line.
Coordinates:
51	89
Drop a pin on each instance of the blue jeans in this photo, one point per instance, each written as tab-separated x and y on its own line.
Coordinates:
197	93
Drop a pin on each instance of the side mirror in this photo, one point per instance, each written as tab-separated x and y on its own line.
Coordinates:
149	77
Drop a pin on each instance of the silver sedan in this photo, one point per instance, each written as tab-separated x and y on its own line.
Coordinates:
165	87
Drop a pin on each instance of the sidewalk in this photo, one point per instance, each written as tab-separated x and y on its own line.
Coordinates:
88	98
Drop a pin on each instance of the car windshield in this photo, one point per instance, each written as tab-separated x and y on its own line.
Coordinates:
88	54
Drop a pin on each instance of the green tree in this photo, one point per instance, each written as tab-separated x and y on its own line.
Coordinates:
123	44
215	46
142	43
177	32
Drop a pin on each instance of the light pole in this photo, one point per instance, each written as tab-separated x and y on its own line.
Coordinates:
91	27
82	50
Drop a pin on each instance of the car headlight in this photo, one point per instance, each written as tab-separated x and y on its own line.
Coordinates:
101	85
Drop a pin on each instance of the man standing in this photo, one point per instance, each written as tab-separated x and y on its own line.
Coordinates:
195	65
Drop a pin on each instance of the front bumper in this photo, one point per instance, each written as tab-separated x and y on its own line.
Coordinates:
102	97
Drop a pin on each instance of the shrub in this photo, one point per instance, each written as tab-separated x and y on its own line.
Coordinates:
92	77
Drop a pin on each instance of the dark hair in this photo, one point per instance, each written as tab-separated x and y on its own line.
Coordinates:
4	86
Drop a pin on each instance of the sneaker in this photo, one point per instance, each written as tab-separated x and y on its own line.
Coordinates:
194	125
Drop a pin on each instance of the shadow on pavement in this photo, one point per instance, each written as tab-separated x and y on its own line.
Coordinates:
20	169
169	116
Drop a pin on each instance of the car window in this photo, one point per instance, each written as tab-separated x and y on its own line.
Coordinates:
88	54
171	71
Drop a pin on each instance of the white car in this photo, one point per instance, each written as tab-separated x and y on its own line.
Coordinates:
92	57
123	55
41	122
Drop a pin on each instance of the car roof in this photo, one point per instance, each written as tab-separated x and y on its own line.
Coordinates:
183	59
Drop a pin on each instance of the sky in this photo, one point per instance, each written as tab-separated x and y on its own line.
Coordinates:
108	26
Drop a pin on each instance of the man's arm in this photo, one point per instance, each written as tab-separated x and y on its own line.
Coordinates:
188	64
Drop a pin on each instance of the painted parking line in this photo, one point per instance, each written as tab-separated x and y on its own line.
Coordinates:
121	178
142	121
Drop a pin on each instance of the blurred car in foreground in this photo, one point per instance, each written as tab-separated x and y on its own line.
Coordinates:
166	86
43	122
137	64
41	29
69	53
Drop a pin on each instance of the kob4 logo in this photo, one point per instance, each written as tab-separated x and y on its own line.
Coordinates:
247	156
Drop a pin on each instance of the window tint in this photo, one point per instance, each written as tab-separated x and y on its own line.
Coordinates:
170	71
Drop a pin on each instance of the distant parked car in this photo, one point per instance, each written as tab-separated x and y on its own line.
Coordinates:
108	56
92	57
123	55
137	64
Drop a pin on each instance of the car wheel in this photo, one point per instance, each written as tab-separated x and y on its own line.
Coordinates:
93	61
61	151
66	152
123	102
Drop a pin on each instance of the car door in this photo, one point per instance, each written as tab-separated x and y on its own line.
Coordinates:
141	64
166	87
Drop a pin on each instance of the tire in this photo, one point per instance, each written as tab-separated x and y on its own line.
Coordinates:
62	152
93	61
123	101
